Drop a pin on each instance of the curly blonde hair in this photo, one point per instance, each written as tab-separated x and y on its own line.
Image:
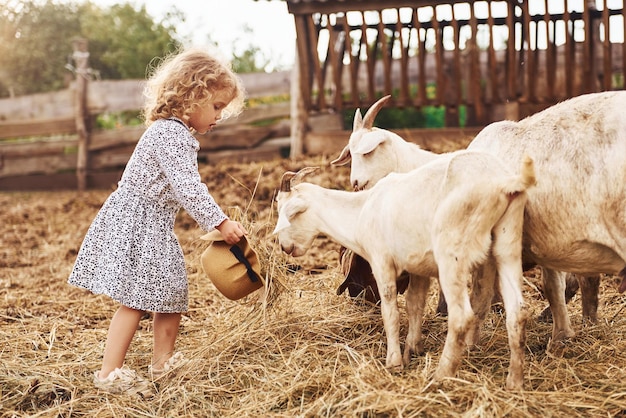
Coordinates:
181	82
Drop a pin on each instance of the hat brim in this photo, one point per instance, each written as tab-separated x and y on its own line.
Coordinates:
214	235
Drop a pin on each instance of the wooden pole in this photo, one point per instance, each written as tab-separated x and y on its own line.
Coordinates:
299	114
81	58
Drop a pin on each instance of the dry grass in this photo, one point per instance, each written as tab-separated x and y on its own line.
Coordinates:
302	351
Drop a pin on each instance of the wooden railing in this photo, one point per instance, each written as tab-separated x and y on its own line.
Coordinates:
39	134
477	54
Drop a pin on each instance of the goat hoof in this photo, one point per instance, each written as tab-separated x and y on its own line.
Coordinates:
394	361
514	384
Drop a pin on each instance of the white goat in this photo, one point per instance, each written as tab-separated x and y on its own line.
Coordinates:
376	152
575	218
447	219
402	157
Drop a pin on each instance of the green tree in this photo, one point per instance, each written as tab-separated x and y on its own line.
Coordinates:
36	42
249	59
123	41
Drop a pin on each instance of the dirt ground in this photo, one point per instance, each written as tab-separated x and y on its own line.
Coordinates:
300	351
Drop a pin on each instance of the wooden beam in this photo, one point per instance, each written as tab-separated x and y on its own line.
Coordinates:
39	127
324	7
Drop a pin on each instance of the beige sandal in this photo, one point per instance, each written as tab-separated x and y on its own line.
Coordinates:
124	380
175	362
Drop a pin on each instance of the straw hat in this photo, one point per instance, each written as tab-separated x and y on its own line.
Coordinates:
235	270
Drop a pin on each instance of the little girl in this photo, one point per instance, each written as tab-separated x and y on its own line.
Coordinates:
130	251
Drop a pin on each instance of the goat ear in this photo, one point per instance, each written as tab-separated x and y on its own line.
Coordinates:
344	158
370	115
292	208
369	142
281	224
358	121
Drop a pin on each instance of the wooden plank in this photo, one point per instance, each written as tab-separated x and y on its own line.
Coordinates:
335	61
311	7
127	95
475	75
528	91
112	149
370	57
494	97
570	52
440	71
511	67
11	150
587	51
550	54
54	105
269	150
117	96
385	52
606	50
259	113
421	98
403	99
436	140
113	138
353	63
314	67
457	73
38	127
234	137
111	158
42	164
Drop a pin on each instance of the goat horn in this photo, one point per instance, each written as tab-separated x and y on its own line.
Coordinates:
285	181
291	179
303	172
370	115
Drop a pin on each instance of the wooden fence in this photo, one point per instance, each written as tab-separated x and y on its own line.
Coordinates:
40	139
40	134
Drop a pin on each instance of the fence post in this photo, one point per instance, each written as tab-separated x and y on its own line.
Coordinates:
81	58
298	111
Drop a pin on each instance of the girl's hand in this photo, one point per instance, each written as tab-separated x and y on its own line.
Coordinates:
231	231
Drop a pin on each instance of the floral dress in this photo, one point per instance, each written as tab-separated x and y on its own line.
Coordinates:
130	251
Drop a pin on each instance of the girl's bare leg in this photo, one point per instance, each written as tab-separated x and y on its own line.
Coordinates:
166	327
121	332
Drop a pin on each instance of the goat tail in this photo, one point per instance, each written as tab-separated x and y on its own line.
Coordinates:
524	180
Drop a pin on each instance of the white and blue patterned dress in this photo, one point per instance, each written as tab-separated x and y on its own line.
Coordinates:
130	251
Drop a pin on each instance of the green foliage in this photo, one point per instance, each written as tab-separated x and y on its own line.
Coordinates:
115	120
36	42
410	117
123	41
250	59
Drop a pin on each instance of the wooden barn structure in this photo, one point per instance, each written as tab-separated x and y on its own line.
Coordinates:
479	60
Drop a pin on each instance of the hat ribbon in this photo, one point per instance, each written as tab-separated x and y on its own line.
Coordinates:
242	258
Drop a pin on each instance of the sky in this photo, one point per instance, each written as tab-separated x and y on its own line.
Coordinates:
224	22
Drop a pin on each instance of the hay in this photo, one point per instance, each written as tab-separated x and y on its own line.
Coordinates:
295	349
